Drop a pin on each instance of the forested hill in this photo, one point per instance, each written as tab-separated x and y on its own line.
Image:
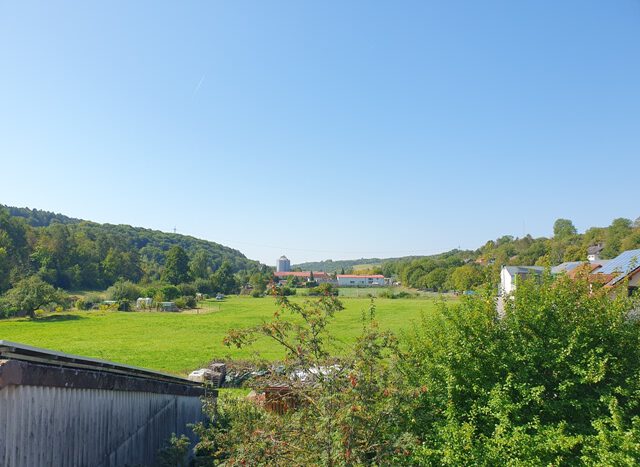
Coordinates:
38	218
336	266
464	270
76	254
349	265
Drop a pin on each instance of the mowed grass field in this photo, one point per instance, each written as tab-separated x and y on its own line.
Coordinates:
181	342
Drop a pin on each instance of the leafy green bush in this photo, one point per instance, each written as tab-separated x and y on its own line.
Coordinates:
555	381
169	292
323	289
186	289
186	302
175	451
386	294
123	290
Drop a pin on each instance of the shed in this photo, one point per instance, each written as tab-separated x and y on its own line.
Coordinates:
61	409
143	303
168	306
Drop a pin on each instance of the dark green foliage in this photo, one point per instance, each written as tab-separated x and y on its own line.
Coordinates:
563	228
323	289
168	292
554	382
75	254
31	294
175	452
176	267
285	291
38	218
224	281
186	302
123	290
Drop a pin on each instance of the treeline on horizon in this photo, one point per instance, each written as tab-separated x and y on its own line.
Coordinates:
73	254
462	270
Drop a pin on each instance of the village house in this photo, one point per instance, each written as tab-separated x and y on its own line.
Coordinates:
511	275
623	269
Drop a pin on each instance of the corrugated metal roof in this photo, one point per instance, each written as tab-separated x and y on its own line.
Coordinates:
17	351
622	265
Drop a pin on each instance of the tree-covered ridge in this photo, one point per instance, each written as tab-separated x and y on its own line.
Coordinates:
348	265
465	269
39	218
86	255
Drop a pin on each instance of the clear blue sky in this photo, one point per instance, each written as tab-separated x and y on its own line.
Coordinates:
332	129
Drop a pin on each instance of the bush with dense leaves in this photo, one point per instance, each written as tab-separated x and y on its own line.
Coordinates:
556	381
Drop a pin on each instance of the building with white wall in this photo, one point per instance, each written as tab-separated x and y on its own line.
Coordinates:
354	280
511	275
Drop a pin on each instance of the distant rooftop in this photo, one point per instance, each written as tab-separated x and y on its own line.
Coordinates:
366	276
524	269
623	264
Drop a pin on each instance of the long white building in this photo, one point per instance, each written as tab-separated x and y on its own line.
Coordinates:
354	280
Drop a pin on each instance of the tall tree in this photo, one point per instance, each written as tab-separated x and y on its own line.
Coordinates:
224	279
563	228
176	268
199	265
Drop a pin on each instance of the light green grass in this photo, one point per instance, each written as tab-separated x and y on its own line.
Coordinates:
181	342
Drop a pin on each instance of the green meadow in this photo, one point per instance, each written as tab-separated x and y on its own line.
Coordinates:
180	342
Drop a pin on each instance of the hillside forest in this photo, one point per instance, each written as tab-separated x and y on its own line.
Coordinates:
73	254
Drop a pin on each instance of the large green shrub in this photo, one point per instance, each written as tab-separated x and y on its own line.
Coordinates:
555	381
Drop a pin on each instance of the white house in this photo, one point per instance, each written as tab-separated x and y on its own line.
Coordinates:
354	280
510	275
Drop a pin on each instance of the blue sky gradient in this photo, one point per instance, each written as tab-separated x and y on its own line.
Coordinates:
324	129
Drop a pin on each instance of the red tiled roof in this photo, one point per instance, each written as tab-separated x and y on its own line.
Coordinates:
356	276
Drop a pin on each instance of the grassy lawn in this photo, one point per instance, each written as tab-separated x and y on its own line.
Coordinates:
181	342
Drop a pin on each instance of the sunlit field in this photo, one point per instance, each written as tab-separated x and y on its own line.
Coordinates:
181	342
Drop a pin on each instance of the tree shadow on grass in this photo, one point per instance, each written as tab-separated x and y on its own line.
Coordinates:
55	318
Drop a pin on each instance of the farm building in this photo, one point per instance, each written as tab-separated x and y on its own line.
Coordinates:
304	276
168	306
283	264
354	280
143	303
60	409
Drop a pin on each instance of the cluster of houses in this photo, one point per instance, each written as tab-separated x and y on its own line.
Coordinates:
283	273
612	273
